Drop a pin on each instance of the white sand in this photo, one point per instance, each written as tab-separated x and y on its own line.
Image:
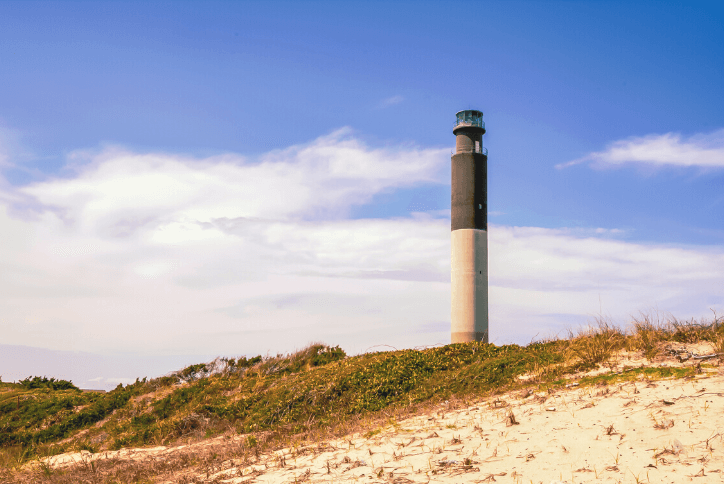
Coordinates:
570	444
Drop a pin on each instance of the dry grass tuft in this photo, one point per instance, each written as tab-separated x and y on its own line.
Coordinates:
648	333
596	344
651	331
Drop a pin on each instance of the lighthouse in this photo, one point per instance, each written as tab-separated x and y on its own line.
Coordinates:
469	230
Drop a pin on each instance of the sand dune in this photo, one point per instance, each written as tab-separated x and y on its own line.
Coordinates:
664	431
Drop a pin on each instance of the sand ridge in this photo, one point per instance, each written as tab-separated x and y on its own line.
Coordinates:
664	431
661	431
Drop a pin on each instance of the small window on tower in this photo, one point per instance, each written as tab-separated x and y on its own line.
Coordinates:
477	146
480	206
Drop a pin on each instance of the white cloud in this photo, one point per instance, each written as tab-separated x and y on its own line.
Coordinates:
119	192
162	254
390	101
152	244
670	149
543	274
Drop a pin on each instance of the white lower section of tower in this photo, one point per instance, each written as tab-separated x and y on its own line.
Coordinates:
469	279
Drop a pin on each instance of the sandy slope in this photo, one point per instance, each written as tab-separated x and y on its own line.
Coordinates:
668	431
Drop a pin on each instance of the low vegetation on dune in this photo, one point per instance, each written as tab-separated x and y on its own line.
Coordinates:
315	393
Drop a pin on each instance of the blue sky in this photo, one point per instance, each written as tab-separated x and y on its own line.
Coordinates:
233	178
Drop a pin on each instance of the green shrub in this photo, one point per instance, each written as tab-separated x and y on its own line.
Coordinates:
323	355
194	372
43	382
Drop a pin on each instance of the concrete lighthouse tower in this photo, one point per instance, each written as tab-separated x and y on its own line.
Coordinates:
469	225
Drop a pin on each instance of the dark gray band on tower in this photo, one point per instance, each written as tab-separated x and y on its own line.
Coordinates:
469	191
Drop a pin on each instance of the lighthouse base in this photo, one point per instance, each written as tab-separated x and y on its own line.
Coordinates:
469	281
468	337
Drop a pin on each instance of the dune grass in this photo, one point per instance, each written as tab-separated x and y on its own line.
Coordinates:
312	394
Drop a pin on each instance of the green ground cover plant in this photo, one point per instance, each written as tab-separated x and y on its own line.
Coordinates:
291	394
